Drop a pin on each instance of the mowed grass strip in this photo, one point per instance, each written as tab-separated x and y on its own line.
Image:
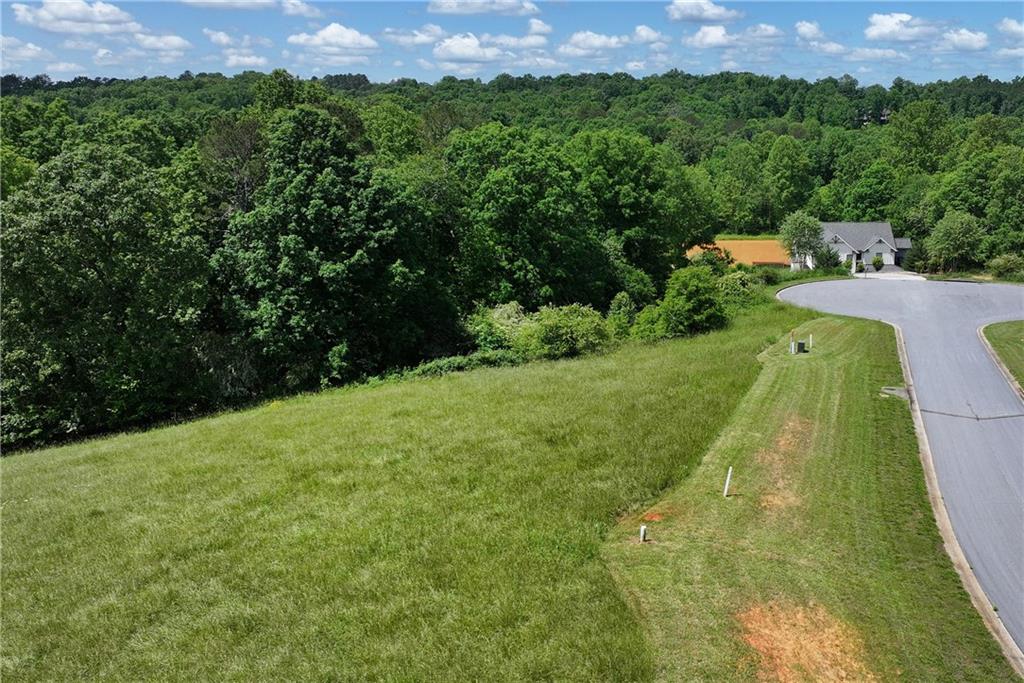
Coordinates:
441	529
1008	341
825	562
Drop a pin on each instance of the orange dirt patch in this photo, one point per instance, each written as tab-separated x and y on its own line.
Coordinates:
653	517
751	252
789	443
803	644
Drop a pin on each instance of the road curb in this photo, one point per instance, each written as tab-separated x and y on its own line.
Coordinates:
999	361
956	554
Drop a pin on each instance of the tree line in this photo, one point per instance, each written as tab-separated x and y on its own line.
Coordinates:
175	245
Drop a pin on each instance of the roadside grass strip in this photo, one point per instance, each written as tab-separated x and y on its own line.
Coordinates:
825	562
1008	341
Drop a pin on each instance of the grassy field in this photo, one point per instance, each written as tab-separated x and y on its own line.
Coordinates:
825	562
1008	341
443	529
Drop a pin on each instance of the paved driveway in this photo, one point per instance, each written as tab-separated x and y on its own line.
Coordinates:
974	420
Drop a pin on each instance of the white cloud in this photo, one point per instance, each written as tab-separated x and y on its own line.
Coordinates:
538	27
298	8
103	57
528	41
898	27
161	43
335	38
871	54
235	57
1011	27
1010	53
809	30
636	65
710	36
461	68
79	44
76	16
514	7
827	47
466	47
700	10
763	32
646	35
540	61
963	40
590	44
232	4
397	63
424	64
65	67
14	50
218	37
424	35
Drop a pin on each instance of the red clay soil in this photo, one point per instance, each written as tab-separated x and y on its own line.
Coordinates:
752	252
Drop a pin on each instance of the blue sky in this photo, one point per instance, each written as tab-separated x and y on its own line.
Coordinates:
875	42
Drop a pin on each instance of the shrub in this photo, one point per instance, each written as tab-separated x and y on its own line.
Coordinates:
1007	267
916	258
496	328
736	290
692	303
826	258
769	275
860	266
877	262
561	332
955	241
646	328
480	359
715	258
621	315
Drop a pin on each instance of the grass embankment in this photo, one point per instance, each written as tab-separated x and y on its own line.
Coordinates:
1008	341
438	529
825	562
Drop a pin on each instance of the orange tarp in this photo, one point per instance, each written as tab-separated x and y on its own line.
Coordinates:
752	252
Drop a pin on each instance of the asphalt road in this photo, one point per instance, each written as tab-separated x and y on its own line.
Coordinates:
973	418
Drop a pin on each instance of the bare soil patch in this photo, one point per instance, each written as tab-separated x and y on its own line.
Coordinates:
789	444
803	644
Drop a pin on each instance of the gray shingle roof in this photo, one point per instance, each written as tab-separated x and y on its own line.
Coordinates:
860	236
903	243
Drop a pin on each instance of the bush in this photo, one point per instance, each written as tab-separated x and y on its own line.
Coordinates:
715	258
496	328
860	266
645	328
826	258
562	332
1007	267
692	303
916	258
736	290
621	315
480	359
877	262
769	275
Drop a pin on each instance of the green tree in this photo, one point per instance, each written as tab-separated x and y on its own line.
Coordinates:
801	234
787	177
869	198
101	300
394	132
15	171
919	136
955	242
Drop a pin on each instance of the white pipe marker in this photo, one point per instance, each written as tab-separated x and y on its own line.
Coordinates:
643	533
728	478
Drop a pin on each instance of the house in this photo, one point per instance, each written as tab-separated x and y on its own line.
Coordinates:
859	243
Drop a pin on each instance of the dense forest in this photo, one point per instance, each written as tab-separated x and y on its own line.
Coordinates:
174	245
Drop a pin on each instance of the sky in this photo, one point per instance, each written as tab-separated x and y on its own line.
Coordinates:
874	42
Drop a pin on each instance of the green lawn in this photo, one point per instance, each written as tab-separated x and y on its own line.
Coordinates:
445	529
826	563
458	528
1008	341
